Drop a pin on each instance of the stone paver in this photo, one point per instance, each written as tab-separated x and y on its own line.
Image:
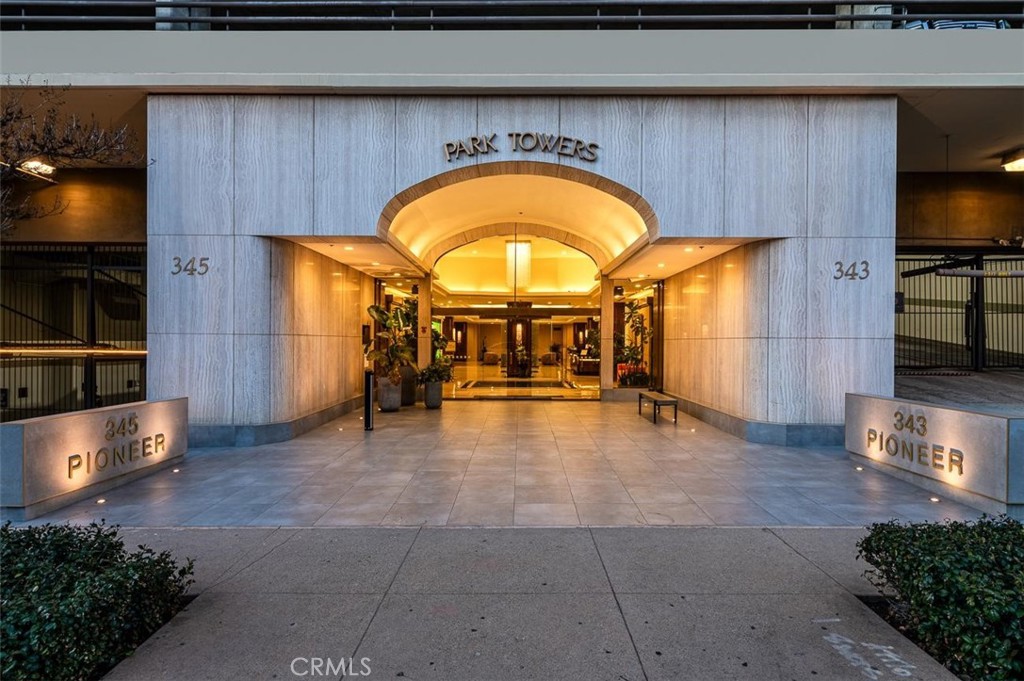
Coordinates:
514	464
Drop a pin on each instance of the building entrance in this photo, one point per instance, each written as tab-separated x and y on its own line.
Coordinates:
520	357
510	307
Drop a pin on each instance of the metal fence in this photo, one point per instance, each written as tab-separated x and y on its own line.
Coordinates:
72	328
389	15
953	322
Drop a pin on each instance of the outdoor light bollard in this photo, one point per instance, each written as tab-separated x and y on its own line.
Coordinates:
368	399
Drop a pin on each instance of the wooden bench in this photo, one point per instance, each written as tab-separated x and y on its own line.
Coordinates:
658	401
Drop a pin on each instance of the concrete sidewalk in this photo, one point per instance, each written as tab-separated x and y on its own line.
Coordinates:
450	604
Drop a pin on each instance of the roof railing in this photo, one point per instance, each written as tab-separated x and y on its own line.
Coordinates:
497	15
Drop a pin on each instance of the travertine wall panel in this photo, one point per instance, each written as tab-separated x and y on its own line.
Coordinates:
252	363
197	366
191	179
274	155
849	288
186	293
765	166
787	380
683	172
612	122
424	124
845	134
253	284
787	270
836	366
354	163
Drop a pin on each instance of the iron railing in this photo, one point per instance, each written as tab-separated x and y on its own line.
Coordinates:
388	15
72	328
947	322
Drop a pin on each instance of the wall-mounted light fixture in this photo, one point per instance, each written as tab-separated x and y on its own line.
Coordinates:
1013	161
37	169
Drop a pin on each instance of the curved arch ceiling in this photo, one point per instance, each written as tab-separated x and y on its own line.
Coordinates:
480	267
582	211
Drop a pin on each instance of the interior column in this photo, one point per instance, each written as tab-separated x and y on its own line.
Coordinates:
607	334
425	336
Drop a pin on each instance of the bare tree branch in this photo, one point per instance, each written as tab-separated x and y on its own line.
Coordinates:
44	131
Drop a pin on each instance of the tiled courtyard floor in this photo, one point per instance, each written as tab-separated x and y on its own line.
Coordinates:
508	463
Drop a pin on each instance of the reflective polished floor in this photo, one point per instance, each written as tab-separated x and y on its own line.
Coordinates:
514	463
475	380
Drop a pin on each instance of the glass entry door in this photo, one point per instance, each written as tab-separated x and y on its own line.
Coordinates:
520	358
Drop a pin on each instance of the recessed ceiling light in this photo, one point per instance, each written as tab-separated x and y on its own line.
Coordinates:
934	500
688	249
661	264
101	501
729	264
395	274
702	276
349	248
176	470
375	263
860	468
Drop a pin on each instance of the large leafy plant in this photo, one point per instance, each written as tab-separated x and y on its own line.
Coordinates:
632	353
392	351
957	589
75	601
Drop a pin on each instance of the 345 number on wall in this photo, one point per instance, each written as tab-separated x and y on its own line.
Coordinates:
126	425
192	267
852	271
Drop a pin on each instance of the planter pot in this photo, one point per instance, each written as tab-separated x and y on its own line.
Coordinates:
408	386
432	395
389	395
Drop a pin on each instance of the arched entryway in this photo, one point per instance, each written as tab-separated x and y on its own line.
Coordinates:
517	257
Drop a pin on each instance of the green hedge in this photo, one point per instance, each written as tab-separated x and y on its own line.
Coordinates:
957	589
74	602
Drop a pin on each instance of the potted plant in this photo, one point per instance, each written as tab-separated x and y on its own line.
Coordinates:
431	377
390	355
440	370
635	373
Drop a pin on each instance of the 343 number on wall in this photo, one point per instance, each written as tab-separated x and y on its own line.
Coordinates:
192	267
907	421
852	271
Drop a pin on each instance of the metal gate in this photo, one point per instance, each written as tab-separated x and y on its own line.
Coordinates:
73	321
959	322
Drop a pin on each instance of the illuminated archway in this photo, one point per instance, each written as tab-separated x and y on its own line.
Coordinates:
602	218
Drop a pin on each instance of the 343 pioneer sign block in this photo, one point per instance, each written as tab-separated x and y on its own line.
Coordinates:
976	457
